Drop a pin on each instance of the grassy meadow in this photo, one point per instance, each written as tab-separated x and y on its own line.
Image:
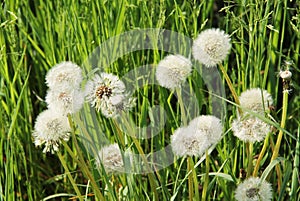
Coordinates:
37	35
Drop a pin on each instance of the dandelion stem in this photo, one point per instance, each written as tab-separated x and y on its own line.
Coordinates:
190	179
150	175
230	85
181	105
206	181
280	135
261	154
119	133
142	154
282	125
64	164
250	158
81	162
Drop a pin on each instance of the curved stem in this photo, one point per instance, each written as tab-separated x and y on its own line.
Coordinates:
261	154
230	85
280	135
282	125
64	164
136	142
81	161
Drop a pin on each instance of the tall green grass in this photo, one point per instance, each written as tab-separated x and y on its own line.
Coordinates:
35	35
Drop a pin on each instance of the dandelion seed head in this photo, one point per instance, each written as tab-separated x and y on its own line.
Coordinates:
111	158
65	75
185	142
50	129
211	47
286	74
253	189
256	100
209	125
250	129
173	70
106	92
65	102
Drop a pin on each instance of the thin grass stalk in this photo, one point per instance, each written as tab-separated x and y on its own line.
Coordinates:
150	175
64	164
141	152
81	162
230	85
83	168
119	133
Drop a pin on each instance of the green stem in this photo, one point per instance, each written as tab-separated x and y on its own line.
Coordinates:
230	85
81	162
150	175
64	164
141	152
206	181
181	105
282	125
280	135
261	154
119	133
250	158
190	178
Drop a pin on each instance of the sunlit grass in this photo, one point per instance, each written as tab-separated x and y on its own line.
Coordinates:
36	35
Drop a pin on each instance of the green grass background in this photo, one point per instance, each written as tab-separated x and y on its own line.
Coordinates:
36	35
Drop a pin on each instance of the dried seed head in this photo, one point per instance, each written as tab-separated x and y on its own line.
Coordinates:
286	75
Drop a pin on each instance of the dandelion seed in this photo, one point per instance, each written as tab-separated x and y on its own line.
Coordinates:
253	189
50	129
111	158
250	129
173	70
211	47
256	100
64	76
65	102
106	92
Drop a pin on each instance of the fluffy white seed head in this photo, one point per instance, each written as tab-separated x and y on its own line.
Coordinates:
250	129
106	92
66	101
65	75
173	70
185	142
211	47
256	100
199	135
111	158
209	125
50	129
253	189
